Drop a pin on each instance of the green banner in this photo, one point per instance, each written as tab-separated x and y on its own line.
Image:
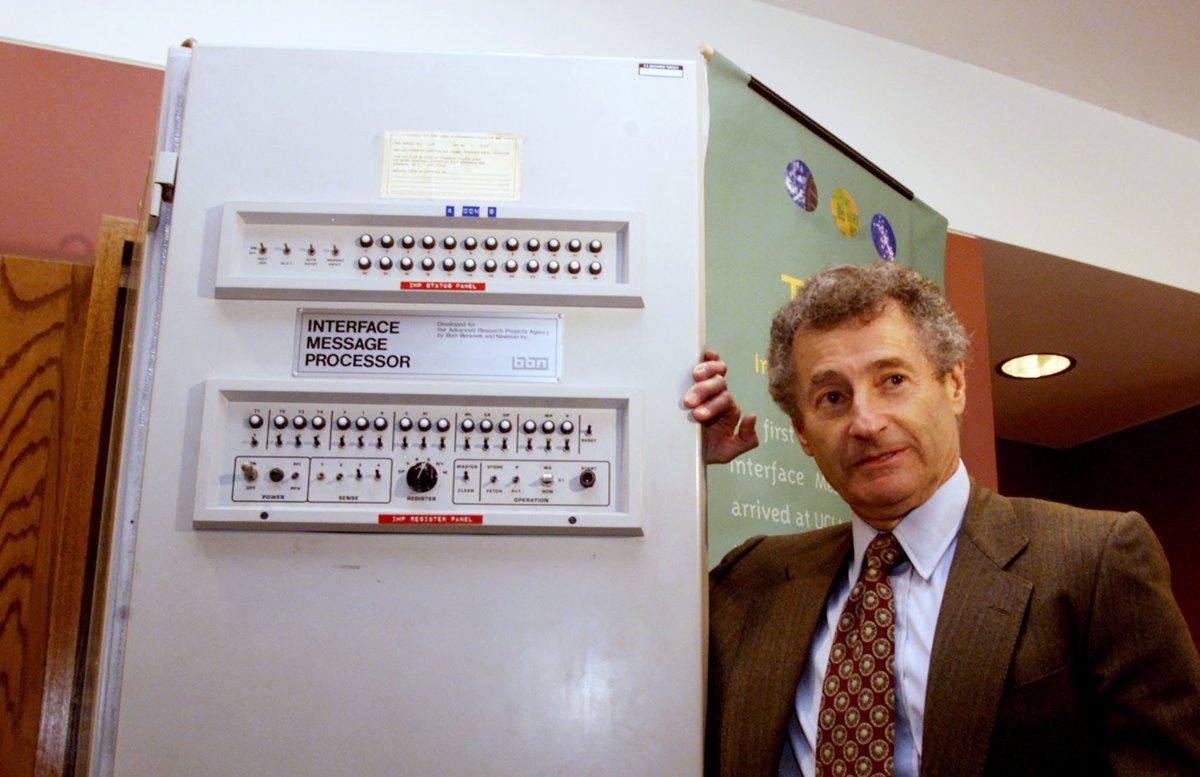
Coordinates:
781	204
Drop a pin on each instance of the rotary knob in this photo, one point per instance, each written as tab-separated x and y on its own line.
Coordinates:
511	265
386	241
380	423
364	262
406	263
408	241
424	425
566	427
366	241
280	421
343	423
595	246
299	422
467	425
574	245
574	267
361	423
428	242
469	265
490	265
421	477
255	421
595	268
529	427
448	264
318	422
470	244
405	424
443	425
485	425
449	243
512	244
385	263
505	426
553	245
548	426
552	267
532	244
427	264
533	265
491	243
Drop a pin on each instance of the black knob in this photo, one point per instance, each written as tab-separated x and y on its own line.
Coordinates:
365	241
595	246
276	475
468	425
343	423
280	421
448	264
469	265
532	244
505	426
299	422
427	264
421	477
574	246
405	424
485	425
566	427
407	241
533	265
255	421
361	423
385	263
595	267
587	478
380	423
574	267
553	245
491	243
318	422
470	244
449	243
443	425
428	242
548	426
490	265
552	267
364	262
406	263
511	265
386	241
529	426
512	244
424	424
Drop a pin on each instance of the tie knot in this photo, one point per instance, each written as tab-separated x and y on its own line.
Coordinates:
884	552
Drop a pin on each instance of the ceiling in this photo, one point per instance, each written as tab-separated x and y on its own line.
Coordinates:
1138	59
1136	342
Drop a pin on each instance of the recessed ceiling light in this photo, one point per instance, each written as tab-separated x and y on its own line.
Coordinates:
1036	365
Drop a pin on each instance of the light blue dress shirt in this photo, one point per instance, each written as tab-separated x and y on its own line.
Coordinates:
928	535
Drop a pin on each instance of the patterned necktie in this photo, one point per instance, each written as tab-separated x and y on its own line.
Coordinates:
856	727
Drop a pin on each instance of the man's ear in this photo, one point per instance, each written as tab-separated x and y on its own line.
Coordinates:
955	385
798	428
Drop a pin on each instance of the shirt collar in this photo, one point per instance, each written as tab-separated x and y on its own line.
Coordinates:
927	532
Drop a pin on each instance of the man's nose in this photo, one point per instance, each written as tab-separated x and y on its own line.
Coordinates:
866	416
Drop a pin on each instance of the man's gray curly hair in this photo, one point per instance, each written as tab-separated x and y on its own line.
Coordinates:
860	292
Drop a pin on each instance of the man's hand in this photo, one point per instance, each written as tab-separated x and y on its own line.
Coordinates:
723	437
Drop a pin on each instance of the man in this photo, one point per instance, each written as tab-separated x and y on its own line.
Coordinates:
946	630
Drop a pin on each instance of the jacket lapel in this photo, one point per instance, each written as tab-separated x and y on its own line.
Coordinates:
774	648
977	629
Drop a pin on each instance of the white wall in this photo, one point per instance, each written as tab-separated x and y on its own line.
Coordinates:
1001	158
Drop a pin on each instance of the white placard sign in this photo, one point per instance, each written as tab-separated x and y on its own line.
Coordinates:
423	345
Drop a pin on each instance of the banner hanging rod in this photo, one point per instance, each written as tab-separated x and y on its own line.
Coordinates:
812	126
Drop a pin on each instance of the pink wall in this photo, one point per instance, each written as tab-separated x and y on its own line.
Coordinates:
77	136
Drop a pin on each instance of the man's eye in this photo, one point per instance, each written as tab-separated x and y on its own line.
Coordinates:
896	380
830	398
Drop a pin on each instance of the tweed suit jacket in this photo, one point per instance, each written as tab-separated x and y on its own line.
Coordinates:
1059	648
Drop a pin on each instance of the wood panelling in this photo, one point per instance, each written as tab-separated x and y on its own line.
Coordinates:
55	339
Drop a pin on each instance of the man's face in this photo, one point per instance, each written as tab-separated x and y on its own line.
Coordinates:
881	424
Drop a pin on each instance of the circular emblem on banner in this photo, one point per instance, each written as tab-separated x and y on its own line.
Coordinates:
801	185
883	237
845	212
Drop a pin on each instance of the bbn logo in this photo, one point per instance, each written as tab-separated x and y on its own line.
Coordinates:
538	363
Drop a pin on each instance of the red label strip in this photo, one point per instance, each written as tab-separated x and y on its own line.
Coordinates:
442	286
412	519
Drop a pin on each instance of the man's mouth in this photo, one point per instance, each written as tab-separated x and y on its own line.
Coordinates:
877	459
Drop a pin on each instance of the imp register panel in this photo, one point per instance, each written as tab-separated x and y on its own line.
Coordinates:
417	496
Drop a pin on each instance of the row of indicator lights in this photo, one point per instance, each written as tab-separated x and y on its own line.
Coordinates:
470	265
429	242
423	424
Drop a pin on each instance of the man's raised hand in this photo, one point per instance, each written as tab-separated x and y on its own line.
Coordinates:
727	434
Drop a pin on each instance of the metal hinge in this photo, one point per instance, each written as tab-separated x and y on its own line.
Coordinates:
162	187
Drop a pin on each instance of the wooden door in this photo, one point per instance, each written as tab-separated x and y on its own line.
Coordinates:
56	329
